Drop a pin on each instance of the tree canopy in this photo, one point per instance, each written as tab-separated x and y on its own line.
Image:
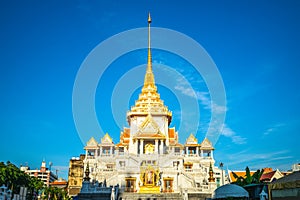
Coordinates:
248	178
13	178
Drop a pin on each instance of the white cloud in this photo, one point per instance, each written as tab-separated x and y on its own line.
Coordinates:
190	92
274	128
257	158
203	97
216	111
228	132
238	139
186	91
218	108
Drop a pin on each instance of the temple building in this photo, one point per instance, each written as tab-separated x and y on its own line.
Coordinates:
149	158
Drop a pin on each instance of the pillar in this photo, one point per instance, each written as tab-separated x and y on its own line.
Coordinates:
141	146
161	147
201	153
96	153
156	146
197	151
186	150
110	151
101	150
136	146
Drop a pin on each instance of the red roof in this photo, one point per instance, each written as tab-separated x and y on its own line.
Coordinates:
58	182
267	176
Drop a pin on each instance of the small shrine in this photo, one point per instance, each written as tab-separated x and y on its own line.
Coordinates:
150	179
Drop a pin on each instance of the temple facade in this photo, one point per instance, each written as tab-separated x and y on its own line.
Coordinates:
149	158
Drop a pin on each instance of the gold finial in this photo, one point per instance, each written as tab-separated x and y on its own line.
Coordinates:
149	18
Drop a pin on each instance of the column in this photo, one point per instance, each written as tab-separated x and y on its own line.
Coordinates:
197	151
186	150
96	153
86	153
136	146
110	151
161	147
211	154
141	146
201	153
101	150
156	146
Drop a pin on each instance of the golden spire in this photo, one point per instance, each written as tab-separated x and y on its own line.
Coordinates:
149	77
211	174
149	102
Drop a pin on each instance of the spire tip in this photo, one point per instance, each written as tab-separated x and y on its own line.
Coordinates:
149	18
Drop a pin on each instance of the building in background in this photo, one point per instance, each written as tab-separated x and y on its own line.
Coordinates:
271	176
286	188
59	183
44	174
296	167
268	175
75	176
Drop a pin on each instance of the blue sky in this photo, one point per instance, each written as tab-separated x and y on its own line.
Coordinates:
254	44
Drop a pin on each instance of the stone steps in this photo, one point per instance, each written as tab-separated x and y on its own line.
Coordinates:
139	196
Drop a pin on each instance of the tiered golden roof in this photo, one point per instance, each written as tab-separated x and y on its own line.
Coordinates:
149	99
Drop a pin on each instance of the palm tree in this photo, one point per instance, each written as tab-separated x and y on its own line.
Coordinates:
248	179
257	175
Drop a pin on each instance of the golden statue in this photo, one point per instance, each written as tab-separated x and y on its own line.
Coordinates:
149	149
149	179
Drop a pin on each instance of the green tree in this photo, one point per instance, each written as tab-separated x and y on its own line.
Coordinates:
248	179
14	178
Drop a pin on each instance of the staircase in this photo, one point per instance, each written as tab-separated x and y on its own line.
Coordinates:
189	178
138	196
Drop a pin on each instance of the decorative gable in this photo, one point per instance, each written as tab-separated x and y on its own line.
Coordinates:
149	129
206	144
92	142
106	139
191	139
149	126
